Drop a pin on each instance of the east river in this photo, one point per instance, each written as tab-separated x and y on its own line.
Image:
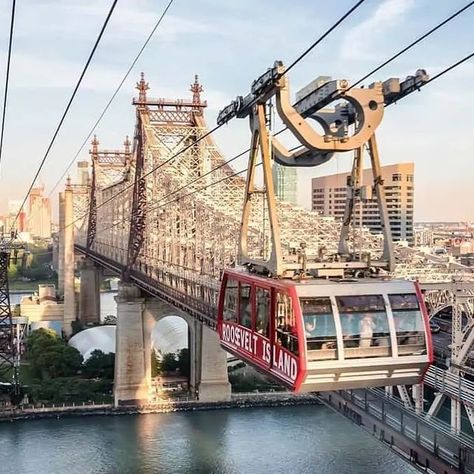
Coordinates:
302	439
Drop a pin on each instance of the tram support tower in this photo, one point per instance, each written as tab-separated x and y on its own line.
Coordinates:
10	249
349	126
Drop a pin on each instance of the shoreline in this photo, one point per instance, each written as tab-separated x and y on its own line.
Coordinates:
237	401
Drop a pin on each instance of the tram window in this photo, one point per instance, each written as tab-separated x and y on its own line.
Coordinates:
263	312
319	326
245	305
230	301
286	334
409	324
364	326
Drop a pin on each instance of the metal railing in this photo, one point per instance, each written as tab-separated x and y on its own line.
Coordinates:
451	384
429	433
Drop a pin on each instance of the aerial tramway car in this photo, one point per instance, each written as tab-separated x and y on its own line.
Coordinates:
315	335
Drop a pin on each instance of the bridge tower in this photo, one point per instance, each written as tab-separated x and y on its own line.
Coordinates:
177	123
69	263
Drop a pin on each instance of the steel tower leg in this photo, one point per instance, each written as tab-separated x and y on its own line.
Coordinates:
353	188
388	254
260	140
8	361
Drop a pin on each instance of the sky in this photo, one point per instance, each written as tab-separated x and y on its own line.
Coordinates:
229	44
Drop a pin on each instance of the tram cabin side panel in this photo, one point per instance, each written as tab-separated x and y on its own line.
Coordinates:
259	322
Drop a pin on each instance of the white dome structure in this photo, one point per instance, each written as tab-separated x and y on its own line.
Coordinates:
100	337
168	335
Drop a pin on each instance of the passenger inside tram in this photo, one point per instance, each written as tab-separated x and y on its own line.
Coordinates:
366	330
320	330
409	324
230	302
263	311
245	306
286	334
364	326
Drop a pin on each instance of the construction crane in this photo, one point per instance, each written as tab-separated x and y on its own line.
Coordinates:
11	250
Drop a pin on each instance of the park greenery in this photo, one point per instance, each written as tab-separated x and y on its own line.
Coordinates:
58	373
170	363
54	372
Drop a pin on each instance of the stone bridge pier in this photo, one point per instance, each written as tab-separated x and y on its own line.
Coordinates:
136	317
89	296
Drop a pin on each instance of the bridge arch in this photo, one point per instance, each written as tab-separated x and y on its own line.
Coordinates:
158	312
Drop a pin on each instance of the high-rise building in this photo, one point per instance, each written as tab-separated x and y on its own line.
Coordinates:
423	236
14	218
39	214
285	182
329	199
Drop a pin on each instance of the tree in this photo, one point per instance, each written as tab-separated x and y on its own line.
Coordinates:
183	362
12	272
99	365
51	357
60	360
41	339
169	363
156	367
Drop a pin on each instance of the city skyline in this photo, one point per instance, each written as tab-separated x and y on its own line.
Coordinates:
419	129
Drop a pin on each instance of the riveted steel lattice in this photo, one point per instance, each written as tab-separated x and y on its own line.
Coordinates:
175	226
7	347
108	167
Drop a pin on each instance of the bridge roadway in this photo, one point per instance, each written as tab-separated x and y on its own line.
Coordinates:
427	443
196	307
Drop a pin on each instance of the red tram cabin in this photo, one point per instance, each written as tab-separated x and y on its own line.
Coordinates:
317	335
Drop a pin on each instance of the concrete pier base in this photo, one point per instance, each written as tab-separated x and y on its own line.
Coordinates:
214	383
132	356
89	297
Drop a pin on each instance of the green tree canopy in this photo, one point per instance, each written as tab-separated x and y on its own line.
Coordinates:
169	362
50	356
156	367
99	365
183	362
40	340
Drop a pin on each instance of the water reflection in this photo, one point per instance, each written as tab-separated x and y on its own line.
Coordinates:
277	440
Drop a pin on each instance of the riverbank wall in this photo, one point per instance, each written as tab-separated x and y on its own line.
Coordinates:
250	400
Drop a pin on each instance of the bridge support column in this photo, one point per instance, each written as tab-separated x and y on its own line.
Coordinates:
132	352
60	268
89	296
69	291
214	383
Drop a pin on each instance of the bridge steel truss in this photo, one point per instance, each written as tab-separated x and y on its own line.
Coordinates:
452	383
158	216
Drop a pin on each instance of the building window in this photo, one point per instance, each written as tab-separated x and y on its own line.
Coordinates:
396	177
410	178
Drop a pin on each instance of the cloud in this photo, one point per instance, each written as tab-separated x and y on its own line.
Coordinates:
359	41
72	20
33	71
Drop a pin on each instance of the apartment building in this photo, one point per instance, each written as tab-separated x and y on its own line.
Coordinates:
329	199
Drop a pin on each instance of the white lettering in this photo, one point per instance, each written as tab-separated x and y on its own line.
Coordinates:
267	352
280	361
254	348
294	369
287	361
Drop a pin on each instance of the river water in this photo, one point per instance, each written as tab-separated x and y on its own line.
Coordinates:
304	439
107	302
